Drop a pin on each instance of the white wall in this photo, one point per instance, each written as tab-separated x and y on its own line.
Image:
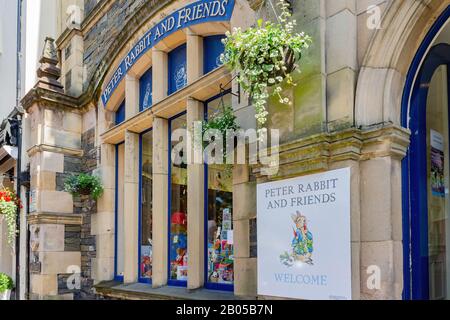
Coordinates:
8	45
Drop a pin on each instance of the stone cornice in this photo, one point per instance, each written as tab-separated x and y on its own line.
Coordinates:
316	153
54	218
48	98
44	147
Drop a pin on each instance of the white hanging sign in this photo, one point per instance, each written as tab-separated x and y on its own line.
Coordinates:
304	243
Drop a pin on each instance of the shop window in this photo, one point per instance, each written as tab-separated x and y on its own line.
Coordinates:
213	48
119	239
145	90
146	215
178	256
177	69
219	217
120	113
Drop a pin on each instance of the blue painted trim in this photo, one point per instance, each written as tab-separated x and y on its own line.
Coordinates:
212	49
174	283
141	279
209	285
414	199
116	213
146	81
177	58
120	113
212	11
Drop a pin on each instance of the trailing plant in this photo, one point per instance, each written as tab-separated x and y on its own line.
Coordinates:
9	203
6	283
222	121
264	56
84	184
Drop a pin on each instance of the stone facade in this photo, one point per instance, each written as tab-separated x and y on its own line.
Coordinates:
346	113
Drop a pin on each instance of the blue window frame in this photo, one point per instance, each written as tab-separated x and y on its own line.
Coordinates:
219	255
145	246
120	113
213	48
118	221
177	69
146	90
414	166
177	220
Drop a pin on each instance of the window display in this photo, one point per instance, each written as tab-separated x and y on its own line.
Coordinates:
220	240
145	236
178	213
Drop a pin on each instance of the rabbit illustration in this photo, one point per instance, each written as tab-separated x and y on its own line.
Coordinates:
302	244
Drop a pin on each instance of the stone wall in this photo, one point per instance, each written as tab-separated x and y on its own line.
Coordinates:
105	32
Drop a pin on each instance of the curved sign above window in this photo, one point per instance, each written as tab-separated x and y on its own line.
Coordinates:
193	14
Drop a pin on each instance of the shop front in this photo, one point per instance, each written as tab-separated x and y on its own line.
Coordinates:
354	206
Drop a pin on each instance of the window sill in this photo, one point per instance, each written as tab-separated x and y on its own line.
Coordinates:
142	291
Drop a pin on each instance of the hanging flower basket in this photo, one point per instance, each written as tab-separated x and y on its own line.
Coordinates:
84	185
265	56
9	203
6	285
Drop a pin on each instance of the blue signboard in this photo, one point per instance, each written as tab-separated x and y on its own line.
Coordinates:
146	90
177	69
193	14
120	113
213	48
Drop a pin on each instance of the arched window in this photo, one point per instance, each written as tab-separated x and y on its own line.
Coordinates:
177	69
213	48
120	113
145	90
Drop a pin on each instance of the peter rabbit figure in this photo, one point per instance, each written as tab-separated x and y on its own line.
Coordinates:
302	244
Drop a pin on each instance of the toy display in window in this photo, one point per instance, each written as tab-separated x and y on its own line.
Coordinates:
146	261
178	248
220	251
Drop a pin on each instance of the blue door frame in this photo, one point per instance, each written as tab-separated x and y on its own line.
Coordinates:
414	166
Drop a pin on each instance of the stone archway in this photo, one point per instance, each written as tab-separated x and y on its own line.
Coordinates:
388	59
379	95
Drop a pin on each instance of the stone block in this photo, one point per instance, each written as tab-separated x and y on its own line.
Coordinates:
103	223
376	200
102	269
335	6
241	239
341	42
245	281
56	202
51	238
44	284
244	201
72	122
59	262
341	87
106	203
62	138
105	245
379	255
51	162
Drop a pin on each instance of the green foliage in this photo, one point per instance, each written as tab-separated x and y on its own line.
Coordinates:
222	121
9	203
84	184
264	56
6	283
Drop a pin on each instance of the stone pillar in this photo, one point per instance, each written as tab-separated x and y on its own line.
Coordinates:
103	222
160	75
244	221
195	205
194	56
131	203
72	76
131	96
341	62
160	201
